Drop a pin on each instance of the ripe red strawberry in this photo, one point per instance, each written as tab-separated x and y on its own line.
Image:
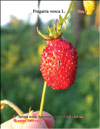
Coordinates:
59	63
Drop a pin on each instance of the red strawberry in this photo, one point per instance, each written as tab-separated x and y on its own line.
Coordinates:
59	63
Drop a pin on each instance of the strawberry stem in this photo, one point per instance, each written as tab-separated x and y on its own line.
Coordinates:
42	99
65	17
57	29
12	105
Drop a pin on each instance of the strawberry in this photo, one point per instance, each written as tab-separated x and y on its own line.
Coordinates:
59	63
89	6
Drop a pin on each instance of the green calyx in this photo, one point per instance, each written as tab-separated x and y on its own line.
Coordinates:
57	29
54	32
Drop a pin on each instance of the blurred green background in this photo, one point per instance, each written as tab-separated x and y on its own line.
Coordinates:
22	82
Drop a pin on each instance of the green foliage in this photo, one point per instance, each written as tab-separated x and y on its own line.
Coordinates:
22	83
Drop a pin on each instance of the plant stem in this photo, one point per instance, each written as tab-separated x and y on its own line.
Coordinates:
64	19
42	99
12	105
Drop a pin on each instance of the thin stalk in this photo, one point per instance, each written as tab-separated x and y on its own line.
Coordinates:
64	19
12	105
42	99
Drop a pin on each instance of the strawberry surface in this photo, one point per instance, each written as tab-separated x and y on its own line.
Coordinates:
59	63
